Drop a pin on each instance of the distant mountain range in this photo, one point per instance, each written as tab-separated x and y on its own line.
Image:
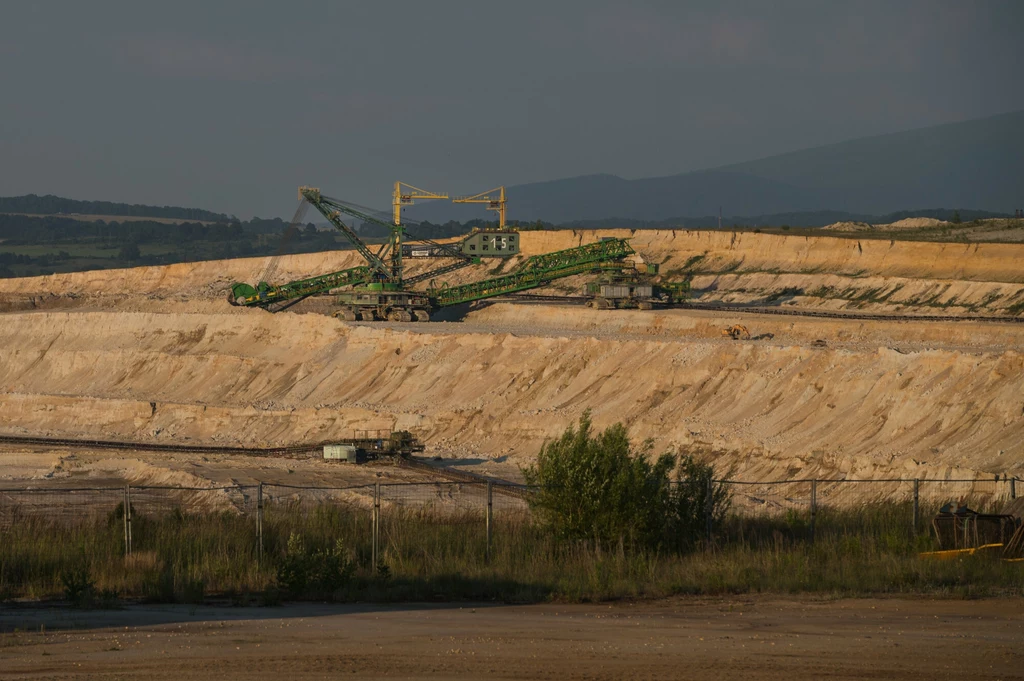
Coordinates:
976	164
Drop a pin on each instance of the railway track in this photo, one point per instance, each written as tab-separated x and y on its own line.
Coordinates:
789	312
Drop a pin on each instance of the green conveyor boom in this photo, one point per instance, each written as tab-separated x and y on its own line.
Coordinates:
536	271
265	294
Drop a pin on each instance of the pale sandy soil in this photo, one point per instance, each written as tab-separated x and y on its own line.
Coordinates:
59	468
881	399
976	277
904	224
156	353
1009	230
750	638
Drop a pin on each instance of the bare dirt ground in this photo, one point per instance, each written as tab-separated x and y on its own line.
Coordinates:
1009	230
752	638
157	354
877	399
62	468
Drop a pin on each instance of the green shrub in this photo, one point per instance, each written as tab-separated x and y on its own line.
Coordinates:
313	571
78	586
694	497
599	488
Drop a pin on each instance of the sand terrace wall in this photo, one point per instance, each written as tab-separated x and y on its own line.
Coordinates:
765	409
702	251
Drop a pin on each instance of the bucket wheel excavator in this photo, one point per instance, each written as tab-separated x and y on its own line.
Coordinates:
378	289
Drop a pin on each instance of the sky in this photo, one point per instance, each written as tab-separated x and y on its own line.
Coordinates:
229	106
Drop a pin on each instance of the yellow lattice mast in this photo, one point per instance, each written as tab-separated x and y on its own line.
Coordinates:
406	195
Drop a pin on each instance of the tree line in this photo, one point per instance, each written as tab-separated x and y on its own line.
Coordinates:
51	205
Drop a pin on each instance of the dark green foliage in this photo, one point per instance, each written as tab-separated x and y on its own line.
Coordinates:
50	205
308	571
78	585
599	488
45	244
433	556
129	252
694	500
158	584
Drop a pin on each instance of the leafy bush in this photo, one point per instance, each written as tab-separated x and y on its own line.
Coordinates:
81	592
598	487
78	586
313	571
695	496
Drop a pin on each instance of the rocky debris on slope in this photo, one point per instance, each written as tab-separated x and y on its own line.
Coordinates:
904	224
820	272
848	227
914	223
762	408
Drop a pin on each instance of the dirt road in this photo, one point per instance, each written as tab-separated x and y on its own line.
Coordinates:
760	638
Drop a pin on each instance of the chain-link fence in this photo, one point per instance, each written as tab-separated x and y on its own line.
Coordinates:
806	508
384	524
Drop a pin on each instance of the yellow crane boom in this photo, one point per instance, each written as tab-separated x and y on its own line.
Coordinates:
494	198
406	195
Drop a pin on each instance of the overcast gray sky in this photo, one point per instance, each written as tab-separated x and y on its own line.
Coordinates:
230	106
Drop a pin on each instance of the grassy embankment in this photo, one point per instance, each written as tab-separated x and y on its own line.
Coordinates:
187	558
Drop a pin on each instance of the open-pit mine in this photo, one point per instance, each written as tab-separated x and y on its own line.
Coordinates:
911	366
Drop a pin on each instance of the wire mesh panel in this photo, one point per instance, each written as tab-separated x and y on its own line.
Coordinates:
155	501
882	509
320	516
440	499
434	525
73	506
514	532
511	499
987	496
769	499
766	511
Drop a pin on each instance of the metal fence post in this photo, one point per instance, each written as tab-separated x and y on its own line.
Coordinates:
128	515
376	525
490	512
814	505
917	504
259	519
124	519
708	501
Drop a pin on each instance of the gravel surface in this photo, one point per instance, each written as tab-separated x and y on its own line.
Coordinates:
750	638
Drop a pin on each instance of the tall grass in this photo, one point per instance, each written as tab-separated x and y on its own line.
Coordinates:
443	556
